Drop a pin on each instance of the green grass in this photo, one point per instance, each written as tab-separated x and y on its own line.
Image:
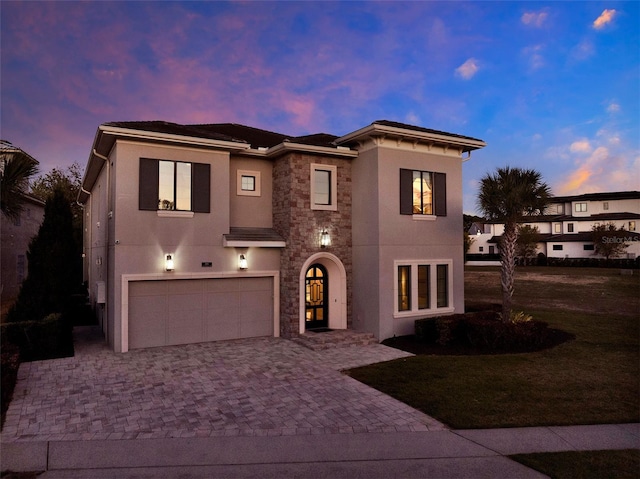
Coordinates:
593	379
623	464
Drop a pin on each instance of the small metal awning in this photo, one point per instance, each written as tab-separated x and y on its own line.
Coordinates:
253	237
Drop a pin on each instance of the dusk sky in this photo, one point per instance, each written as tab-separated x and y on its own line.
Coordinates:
548	85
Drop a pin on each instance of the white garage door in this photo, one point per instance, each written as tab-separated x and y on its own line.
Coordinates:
185	311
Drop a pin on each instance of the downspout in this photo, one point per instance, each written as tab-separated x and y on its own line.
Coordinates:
106	254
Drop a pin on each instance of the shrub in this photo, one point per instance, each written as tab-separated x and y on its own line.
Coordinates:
484	332
48	338
10	362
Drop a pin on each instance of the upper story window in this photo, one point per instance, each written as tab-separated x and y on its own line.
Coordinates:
581	207
174	186
423	193
632	225
570	227
324	187
248	183
605	205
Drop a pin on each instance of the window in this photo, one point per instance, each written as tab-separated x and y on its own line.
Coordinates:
424	276
588	247
632	225
248	183
423	287
404	288
570	227
559	209
443	286
20	268
557	228
481	248
581	207
557	247
324	187
605	205
174	186
423	193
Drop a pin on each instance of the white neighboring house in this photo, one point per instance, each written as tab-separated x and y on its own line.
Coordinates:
565	228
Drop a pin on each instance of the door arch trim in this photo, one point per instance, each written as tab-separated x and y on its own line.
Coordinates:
337	301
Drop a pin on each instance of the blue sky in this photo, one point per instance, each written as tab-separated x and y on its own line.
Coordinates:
548	85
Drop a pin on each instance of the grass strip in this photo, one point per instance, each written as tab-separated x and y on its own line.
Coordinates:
621	464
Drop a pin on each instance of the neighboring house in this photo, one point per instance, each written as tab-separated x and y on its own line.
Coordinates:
221	231
16	236
566	227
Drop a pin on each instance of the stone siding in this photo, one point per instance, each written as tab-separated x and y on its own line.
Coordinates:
300	226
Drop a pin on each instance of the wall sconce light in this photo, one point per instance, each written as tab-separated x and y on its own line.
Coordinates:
242	262
168	262
325	239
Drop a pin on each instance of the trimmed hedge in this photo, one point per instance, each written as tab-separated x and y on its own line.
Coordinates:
483	331
47	338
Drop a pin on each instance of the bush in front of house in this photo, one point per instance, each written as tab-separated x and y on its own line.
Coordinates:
47	338
9	364
484	333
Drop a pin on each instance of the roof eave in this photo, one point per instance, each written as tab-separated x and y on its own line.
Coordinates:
377	130
287	146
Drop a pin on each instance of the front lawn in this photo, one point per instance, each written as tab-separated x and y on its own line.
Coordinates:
592	379
584	464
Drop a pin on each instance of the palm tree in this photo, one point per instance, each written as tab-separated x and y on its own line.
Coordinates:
507	196
16	167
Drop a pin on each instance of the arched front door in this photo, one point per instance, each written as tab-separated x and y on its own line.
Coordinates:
316	294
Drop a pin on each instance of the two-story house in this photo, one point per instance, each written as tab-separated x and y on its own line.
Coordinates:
207	232
566	227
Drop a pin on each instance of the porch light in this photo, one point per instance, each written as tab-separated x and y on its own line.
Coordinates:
242	262
168	263
325	239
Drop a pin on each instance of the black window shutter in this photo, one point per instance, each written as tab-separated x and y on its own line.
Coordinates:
440	197
148	184
201	188
406	192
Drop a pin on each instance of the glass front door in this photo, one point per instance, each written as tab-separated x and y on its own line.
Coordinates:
316	293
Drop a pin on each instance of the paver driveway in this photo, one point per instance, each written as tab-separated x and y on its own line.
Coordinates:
262	386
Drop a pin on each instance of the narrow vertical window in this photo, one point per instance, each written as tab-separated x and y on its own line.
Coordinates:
183	186
424	287
322	187
404	288
422	193
166	186
442	286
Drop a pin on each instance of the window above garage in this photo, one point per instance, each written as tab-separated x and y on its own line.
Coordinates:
174	186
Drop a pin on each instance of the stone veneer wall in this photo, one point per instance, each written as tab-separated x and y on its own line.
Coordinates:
300	226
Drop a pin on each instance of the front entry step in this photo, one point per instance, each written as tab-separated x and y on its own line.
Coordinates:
337	338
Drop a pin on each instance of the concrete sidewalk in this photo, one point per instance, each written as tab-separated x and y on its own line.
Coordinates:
441	454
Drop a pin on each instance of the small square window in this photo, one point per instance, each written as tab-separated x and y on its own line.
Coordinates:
248	183
481	248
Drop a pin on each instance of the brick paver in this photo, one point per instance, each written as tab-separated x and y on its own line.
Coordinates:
254	387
